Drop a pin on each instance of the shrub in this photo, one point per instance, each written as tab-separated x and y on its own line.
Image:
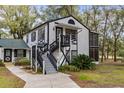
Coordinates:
22	62
68	68
1	63
122	60
83	62
121	53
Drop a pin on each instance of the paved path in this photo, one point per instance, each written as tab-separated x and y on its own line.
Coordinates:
57	80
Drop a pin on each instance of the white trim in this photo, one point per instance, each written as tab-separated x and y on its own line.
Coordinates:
67	25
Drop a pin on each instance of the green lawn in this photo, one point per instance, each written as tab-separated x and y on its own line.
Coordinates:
105	75
8	80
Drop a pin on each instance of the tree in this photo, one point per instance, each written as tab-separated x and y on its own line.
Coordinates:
104	29
3	34
52	12
18	19
91	18
117	27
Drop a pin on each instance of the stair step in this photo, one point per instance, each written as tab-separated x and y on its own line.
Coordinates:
51	72
48	65
50	68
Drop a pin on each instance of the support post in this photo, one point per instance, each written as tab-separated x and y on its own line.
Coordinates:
12	55
31	59
43	67
59	50
36	58
70	47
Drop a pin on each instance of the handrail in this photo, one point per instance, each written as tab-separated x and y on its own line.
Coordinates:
33	64
65	41
65	58
52	60
40	60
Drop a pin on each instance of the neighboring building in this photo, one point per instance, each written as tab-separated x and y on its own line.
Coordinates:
57	41
10	49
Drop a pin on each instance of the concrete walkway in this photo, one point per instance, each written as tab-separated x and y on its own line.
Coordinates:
57	80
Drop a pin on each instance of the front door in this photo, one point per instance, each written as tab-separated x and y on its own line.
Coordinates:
59	30
7	55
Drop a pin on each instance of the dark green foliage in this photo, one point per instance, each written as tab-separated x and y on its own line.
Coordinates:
83	62
121	53
1	63
68	68
22	62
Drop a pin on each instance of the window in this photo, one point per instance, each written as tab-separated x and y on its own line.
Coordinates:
71	22
94	49
41	34
93	39
19	53
73	35
8	52
27	38
33	36
94	53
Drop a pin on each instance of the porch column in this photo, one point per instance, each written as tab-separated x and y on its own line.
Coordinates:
70	47
36	58
13	56
58	62
31	58
2	54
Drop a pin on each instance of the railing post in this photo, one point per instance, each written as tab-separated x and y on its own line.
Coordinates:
70	47
43	67
36	58
31	59
59	50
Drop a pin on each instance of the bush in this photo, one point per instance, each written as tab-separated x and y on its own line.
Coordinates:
22	62
122	60
121	53
1	63
68	68
83	62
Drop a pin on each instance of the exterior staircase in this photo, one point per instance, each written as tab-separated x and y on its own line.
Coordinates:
45	54
49	67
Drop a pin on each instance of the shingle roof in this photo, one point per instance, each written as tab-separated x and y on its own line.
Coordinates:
13	43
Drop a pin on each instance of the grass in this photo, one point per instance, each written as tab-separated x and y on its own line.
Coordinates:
105	75
8	80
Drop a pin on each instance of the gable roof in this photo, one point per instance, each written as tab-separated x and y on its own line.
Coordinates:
13	44
59	19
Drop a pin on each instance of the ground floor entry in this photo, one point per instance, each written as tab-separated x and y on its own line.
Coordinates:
10	55
7	55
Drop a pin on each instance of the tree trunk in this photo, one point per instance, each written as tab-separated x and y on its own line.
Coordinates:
0	36
14	36
103	44
107	55
102	54
115	50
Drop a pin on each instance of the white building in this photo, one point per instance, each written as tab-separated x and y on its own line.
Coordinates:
57	41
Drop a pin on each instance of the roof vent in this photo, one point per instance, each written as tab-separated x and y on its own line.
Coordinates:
71	22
